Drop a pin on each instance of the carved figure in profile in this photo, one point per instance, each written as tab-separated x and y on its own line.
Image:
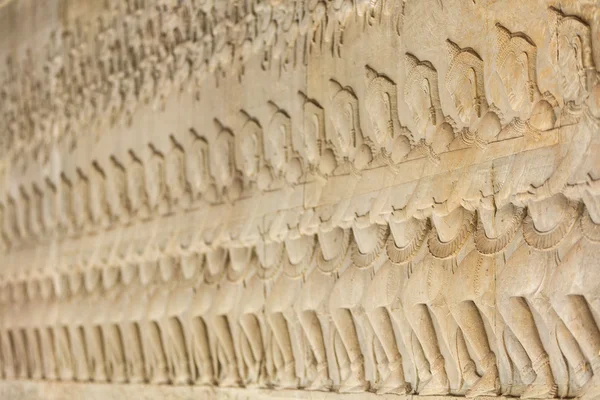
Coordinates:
249	155
381	102
365	257
117	191
346	140
137	194
279	302
98	206
421	93
222	163
516	68
278	147
198	318
313	135
574	300
198	167
156	185
220	314
178	188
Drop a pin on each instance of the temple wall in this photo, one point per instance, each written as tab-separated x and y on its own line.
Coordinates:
299	199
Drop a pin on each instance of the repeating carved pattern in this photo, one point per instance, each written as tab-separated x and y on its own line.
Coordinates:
447	279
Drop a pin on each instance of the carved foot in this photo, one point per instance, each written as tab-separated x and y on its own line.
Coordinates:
287	378
232	379
321	381
355	383
395	383
181	380
100	375
158	375
543	387
437	385
470	374
487	385
583	373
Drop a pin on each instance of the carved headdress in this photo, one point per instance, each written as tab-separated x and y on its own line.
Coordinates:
517	43
420	73
461	61
579	34
380	84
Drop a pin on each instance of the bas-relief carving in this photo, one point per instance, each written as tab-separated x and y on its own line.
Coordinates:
444	242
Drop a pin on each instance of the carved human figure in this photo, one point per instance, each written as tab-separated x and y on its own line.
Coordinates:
381	103
529	111
176	301
366	257
425	298
175	175
222	163
574	300
198	319
117	191
156	186
278	144
329	250
249	156
224	299
279	301
432	136
347	137
198	167
99	206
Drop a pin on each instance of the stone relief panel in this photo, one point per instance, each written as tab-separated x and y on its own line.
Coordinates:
384	198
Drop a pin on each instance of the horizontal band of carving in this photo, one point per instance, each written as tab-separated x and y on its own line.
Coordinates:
74	391
246	317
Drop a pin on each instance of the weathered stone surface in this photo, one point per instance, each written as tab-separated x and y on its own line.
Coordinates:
299	199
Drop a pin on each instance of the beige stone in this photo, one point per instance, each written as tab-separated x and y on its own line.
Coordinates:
320	199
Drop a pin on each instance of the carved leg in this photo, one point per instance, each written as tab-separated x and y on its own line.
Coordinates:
64	360
519	356
78	350
282	336
518	316
469	320
34	358
154	354
343	360
8	355
382	325
48	353
178	352
133	352
412	344
312	328
251	328
356	382
232	377
420	320
95	352
115	359
18	340
576	315
201	352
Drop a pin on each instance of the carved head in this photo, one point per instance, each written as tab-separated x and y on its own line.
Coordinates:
516	66
249	149
345	119
313	133
422	94
224	153
381	104
464	81
573	53
278	141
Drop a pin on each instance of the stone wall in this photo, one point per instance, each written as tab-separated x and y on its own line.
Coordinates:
278	199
